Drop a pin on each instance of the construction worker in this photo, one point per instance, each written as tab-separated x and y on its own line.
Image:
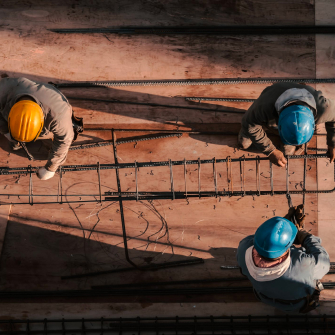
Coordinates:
31	111
292	110
283	275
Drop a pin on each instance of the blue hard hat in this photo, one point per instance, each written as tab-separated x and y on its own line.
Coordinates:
274	237
296	125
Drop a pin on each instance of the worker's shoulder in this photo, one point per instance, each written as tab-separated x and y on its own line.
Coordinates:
301	259
245	244
284	86
13	81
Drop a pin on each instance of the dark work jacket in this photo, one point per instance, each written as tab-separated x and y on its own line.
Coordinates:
263	113
309	263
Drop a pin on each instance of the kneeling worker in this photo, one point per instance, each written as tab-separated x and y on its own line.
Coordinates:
31	111
291	110
282	275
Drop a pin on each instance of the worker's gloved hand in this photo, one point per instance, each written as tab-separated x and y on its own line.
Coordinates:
44	174
278	158
331	153
301	235
9	138
290	214
300	223
299	217
297	213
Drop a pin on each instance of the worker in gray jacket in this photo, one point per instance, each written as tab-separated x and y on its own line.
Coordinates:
283	275
29	111
292	110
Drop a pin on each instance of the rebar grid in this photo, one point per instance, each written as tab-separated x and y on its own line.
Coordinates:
232	189
286	324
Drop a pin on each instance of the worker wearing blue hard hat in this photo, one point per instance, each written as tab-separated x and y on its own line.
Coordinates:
292	110
283	275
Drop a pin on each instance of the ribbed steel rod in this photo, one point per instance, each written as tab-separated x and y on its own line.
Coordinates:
199	99
88	167
203	30
194	82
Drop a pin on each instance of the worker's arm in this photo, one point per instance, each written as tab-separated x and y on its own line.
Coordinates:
330	128
326	114
3	125
317	254
252	126
63	136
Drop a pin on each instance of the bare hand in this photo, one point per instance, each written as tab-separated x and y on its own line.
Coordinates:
278	158
331	153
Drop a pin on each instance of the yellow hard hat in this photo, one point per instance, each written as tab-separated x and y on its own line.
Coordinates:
25	121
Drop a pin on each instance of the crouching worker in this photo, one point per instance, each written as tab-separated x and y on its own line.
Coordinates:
31	111
290	110
283	275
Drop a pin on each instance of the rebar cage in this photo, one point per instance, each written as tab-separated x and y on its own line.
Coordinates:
229	165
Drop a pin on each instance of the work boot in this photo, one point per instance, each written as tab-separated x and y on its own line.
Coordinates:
244	142
16	146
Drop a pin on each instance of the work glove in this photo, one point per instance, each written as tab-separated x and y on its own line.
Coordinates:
331	153
44	174
300	223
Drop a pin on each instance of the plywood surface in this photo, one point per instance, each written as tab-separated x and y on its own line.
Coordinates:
46	241
76	238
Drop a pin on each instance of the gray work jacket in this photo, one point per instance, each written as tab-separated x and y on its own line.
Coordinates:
56	109
263	113
309	263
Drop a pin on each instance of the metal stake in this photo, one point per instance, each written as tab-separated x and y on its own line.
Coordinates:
171	180
99	180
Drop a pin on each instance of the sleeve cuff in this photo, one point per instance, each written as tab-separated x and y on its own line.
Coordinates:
269	150
50	167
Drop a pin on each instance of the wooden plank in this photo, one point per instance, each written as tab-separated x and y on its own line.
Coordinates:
100	13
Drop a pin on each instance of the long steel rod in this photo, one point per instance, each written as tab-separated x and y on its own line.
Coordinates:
194	82
133	292
203	30
99	181
124	232
190	107
199	99
171	283
88	167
